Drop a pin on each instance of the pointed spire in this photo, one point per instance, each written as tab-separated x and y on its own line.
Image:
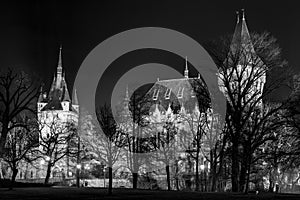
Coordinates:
186	70
243	14
59	70
127	94
59	65
75	99
241	37
237	17
41	98
66	96
53	87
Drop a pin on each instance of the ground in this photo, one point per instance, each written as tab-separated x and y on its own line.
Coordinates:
96	193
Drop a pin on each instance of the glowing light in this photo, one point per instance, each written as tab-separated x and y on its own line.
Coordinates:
202	167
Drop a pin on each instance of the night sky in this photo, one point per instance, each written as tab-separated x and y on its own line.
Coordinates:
31	31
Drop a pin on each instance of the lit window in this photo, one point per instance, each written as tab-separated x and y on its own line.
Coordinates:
168	93
193	93
155	94
180	92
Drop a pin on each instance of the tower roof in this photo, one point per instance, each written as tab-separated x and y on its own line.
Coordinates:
41	99
59	64
59	90
66	96
241	39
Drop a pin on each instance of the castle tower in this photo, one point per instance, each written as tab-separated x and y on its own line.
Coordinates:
243	55
186	70
57	108
41	101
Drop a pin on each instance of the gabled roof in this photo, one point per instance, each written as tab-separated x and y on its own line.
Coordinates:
186	92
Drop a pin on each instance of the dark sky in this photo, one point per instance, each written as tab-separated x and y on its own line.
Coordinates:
31	31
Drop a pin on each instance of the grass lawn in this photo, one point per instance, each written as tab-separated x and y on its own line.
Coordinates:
96	193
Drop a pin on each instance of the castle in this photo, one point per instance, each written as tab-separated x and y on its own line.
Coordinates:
171	99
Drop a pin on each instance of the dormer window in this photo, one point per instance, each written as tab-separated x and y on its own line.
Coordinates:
180	92
155	94
168	93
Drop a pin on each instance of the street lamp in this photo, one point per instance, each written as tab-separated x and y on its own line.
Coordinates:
202	167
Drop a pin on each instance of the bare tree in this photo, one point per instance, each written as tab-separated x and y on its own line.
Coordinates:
21	145
55	137
164	145
103	143
18	93
244	67
134	125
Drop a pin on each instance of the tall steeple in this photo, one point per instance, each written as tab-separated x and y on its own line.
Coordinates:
59	70
41	98
241	39
186	70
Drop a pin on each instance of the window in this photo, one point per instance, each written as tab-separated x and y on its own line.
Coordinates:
180	92
168	93
193	94
155	94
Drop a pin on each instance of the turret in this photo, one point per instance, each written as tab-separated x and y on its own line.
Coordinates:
41	103
186	70
66	101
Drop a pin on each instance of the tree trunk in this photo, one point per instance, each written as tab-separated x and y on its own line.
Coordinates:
213	176
134	180
235	167
248	178
197	172
271	186
177	184
176	177
3	136
168	177
13	177
243	174
110	177
48	173
248	175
